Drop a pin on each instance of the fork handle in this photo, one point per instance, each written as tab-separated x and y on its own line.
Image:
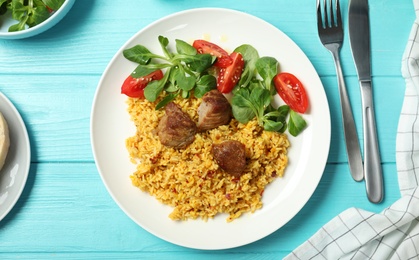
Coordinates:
353	149
373	172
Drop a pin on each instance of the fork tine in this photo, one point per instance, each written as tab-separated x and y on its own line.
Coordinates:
338	14
319	16
325	14
330	16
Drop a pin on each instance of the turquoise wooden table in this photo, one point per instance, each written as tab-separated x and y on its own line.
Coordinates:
65	210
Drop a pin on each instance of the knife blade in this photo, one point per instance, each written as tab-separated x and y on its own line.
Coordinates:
359	37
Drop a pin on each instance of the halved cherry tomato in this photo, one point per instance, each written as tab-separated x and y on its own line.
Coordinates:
292	91
228	77
134	87
205	47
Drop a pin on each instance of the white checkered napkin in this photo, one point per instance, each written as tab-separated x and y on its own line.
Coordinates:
393	233
358	234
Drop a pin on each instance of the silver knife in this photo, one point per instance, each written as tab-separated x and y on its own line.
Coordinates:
359	35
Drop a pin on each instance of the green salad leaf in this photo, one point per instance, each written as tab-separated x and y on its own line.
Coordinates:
188	73
267	67
29	13
186	70
250	56
296	123
252	97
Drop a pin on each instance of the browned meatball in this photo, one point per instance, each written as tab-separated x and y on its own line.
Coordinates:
176	129
215	110
230	156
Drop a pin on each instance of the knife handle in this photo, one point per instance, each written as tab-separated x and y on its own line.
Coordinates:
353	149
372	161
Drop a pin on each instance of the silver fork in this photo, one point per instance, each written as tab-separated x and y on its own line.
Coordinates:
330	30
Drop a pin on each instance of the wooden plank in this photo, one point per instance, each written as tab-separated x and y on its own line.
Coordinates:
59	122
66	210
85	35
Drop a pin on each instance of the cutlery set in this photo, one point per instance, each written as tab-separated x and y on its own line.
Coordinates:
330	29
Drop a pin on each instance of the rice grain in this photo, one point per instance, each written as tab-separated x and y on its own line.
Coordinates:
189	179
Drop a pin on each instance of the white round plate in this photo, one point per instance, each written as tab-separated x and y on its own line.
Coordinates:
6	21
15	171
283	199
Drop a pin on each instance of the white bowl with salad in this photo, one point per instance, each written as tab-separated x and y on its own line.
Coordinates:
26	18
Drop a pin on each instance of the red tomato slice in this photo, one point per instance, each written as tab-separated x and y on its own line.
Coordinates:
205	47
134	87
292	91
228	77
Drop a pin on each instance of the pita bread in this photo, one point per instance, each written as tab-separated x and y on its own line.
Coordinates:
4	140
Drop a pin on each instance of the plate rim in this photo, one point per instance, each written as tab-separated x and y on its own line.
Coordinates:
26	168
130	41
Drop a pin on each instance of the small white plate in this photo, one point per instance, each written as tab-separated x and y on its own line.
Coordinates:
15	171
283	198
6	20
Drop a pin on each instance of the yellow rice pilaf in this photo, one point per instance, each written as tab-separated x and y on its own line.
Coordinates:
189	179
